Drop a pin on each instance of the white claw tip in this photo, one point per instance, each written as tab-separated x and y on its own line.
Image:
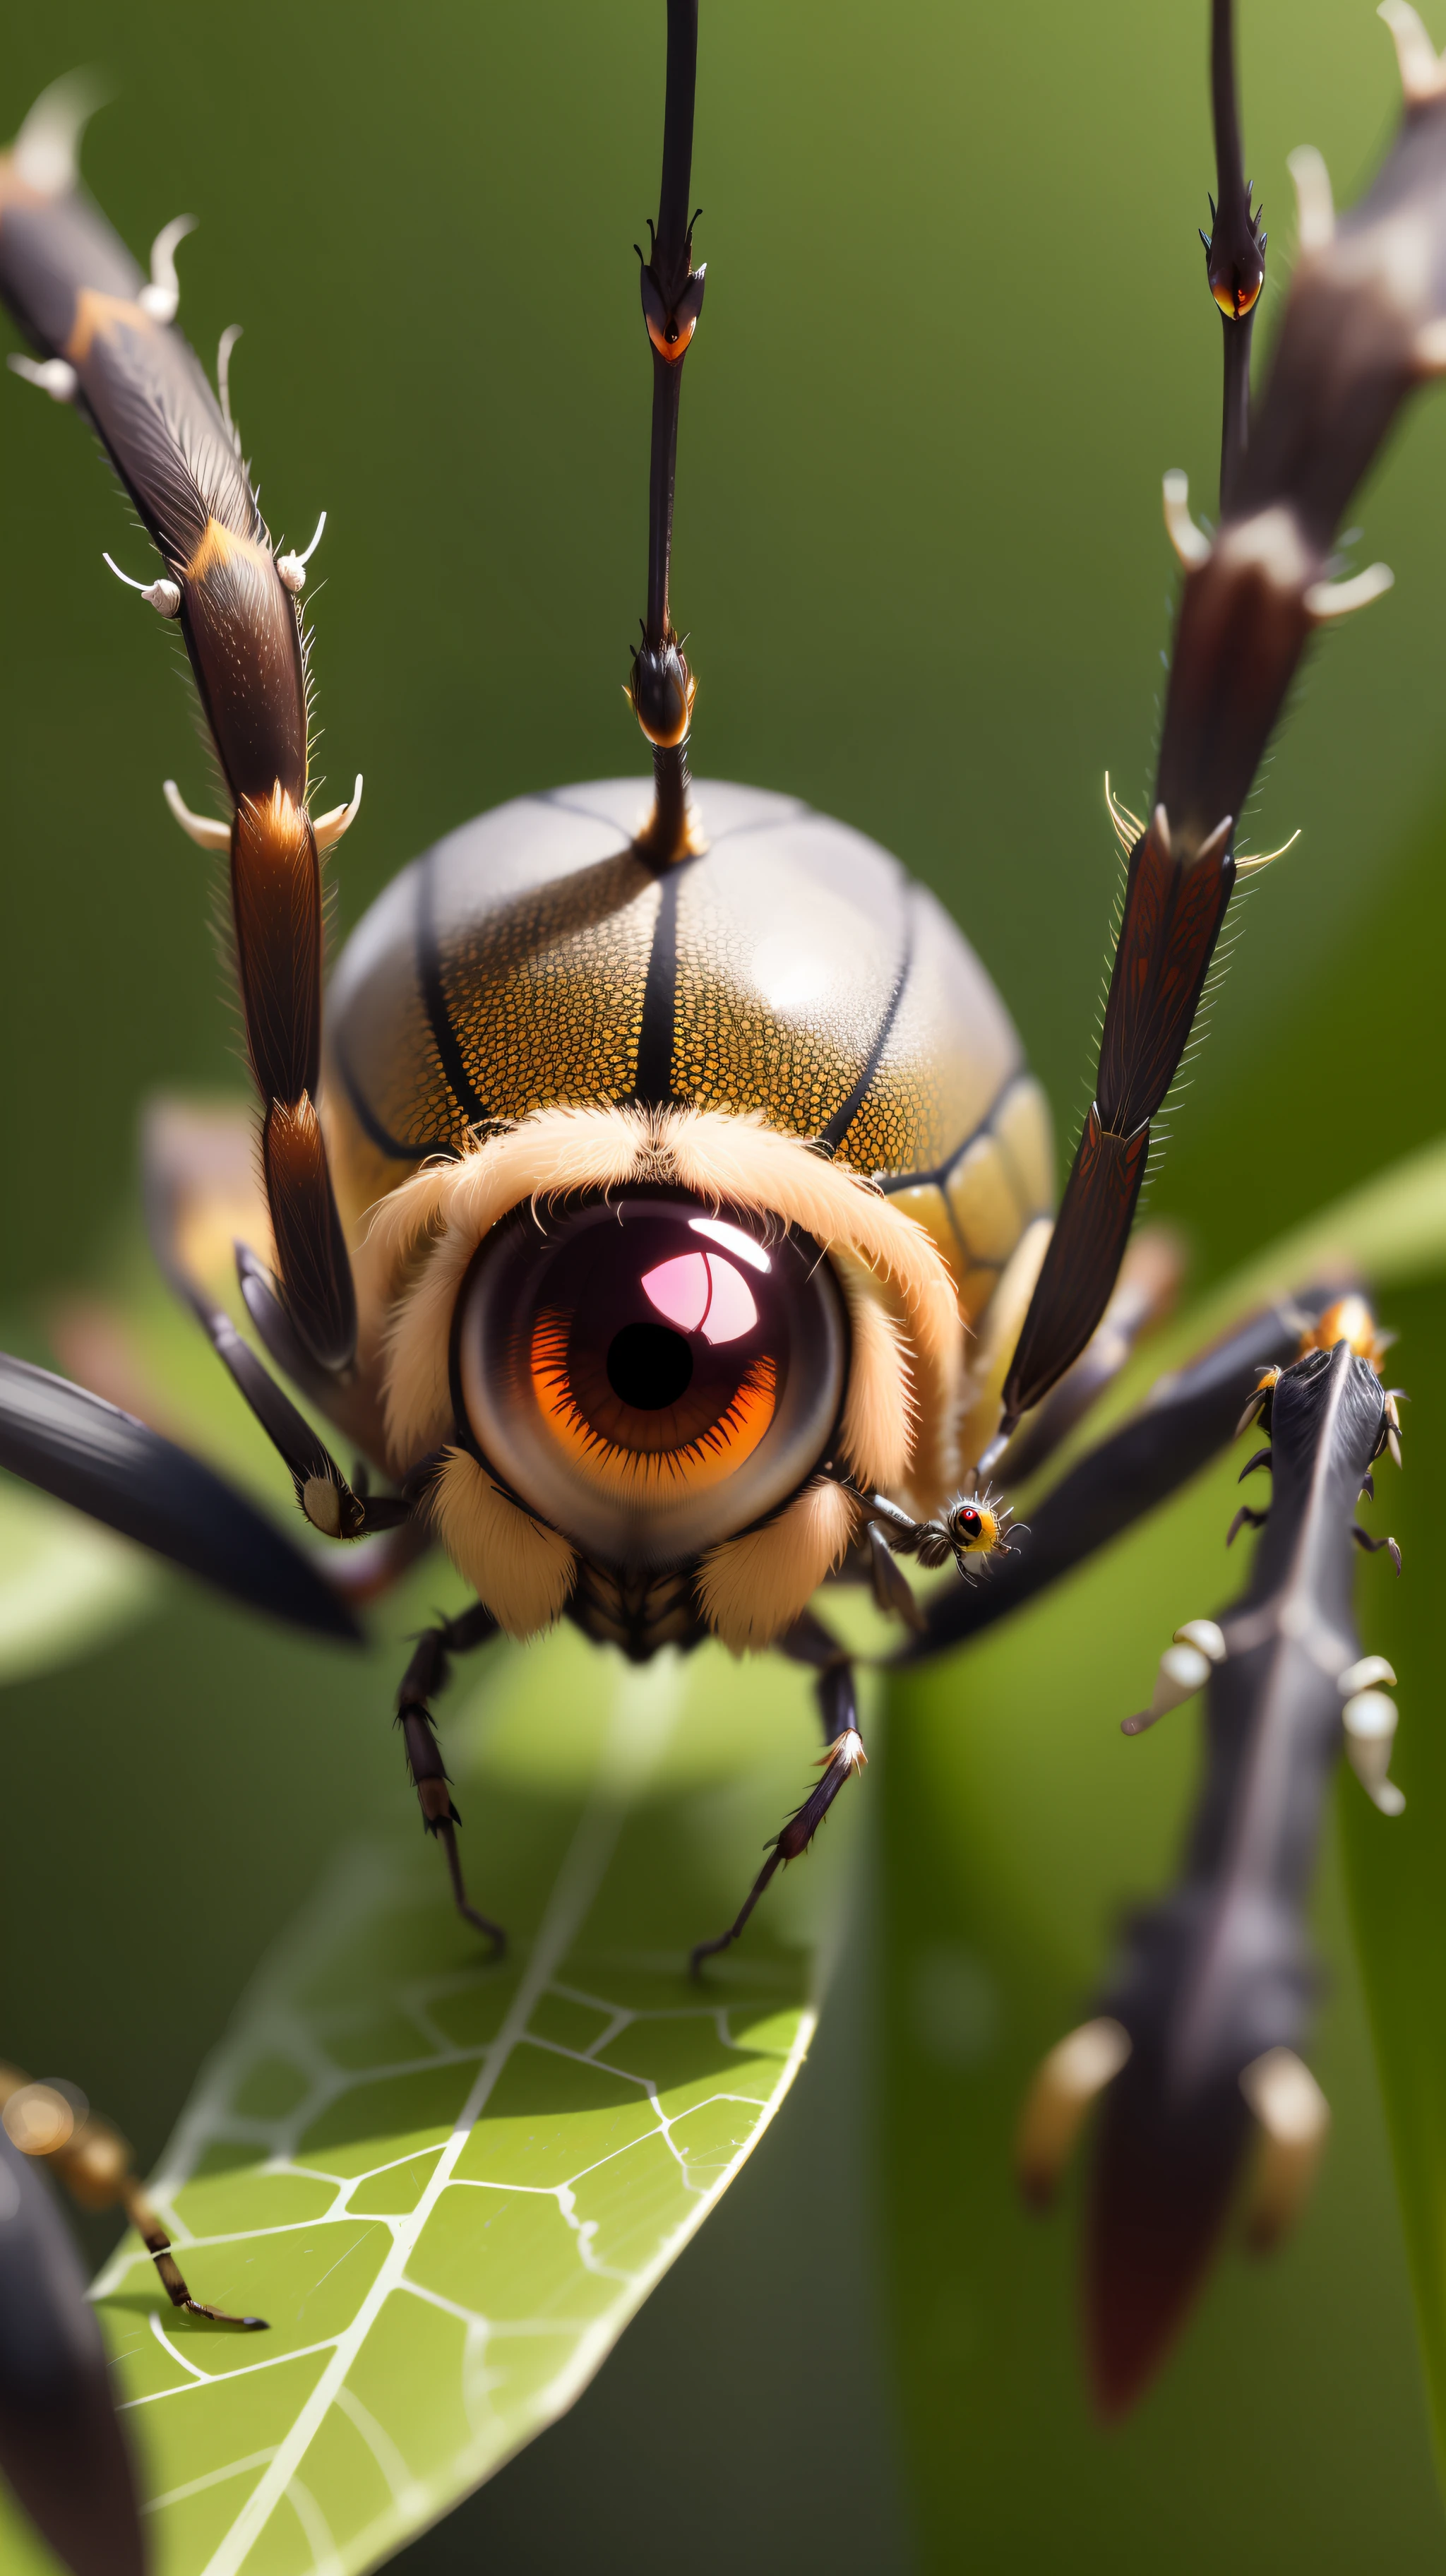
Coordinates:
1315	204
1190	543
203	829
162	298
1285	2097
1423	72
292	567
46	149
1184	1670
228	340
1064	2086
1369	1719
1206	1634
54	376
1328	599
1294	2118
163	595
329	828
1365	1675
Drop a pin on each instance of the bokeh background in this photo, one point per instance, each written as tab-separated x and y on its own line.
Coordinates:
956	327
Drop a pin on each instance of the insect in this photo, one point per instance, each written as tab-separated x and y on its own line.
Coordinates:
660	1206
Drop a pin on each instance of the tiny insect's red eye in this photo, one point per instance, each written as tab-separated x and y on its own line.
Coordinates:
649	1374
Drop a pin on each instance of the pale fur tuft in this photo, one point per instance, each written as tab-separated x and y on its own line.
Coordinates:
520	1569
880	1410
751	1589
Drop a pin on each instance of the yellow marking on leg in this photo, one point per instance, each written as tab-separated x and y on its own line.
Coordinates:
220	546
97	317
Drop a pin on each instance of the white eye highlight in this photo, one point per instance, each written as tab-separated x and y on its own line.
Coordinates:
733	1239
702	1294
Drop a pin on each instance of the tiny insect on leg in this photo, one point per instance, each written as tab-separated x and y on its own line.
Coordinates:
1188	1417
807	1642
972	1532
426	1674
94	2162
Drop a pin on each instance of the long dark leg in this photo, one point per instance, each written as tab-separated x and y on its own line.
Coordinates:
429	1672
807	1642
88	1453
1234	251
1339	372
94	2162
672	291
75	289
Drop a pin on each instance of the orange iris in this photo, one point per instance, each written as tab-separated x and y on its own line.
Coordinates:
693	1441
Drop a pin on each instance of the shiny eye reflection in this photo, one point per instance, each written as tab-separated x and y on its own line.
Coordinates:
701	1295
649	1376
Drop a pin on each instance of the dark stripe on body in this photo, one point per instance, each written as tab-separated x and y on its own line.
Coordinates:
653	1082
372	1128
844	1116
429	977
889	1182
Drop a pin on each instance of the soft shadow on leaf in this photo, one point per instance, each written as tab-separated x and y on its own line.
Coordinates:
447	2183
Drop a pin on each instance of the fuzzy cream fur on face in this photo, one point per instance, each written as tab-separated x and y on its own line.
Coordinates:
751	1588
521	1570
902	1400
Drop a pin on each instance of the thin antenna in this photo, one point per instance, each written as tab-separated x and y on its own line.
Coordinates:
662	687
1234	250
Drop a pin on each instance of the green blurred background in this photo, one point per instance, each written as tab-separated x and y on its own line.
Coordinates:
956	327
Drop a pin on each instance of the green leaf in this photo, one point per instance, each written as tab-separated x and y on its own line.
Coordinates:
66	1586
448	2185
1018	1824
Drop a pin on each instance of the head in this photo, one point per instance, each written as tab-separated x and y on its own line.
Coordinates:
653	1339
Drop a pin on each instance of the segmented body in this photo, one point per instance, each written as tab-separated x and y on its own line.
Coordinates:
792	972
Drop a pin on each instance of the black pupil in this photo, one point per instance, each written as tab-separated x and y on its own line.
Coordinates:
649	1366
971	1524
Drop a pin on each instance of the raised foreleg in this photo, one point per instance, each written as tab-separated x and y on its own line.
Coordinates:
110	348
1354	343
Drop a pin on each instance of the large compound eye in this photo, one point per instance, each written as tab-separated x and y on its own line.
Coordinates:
649	1375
